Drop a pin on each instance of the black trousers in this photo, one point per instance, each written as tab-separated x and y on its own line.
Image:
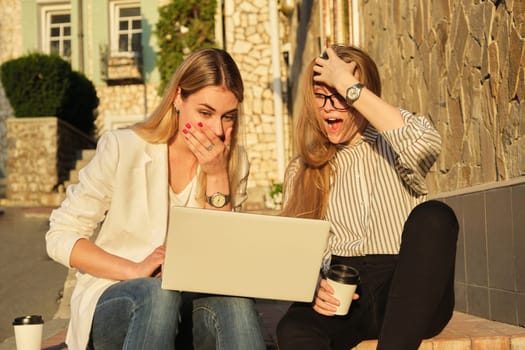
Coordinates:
404	298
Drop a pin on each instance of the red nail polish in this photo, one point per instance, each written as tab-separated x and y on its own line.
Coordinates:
200	124
188	125
184	131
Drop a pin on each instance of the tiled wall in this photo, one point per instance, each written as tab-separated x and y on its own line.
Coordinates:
490	262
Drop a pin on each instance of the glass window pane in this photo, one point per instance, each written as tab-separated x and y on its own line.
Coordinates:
67	48
67	31
60	19
130	12
54	32
136	24
54	47
135	42
123	25
123	43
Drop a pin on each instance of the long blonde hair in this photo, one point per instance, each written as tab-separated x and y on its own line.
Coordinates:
307	182
202	68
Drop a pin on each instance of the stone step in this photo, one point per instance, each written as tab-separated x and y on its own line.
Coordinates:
87	153
82	163
467	332
464	332
85	157
3	187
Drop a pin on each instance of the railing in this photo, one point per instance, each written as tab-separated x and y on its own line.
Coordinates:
121	68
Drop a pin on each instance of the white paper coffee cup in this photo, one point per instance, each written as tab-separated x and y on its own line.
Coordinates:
28	332
344	280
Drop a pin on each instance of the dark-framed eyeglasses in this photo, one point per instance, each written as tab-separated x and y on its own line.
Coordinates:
337	102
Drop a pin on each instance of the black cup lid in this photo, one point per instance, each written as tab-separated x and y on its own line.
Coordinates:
343	274
30	319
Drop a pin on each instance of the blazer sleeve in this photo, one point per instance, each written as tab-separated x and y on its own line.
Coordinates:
86	202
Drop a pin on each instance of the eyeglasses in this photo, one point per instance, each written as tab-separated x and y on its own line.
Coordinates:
337	102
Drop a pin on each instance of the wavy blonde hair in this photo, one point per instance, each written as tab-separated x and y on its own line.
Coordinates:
202	68
307	181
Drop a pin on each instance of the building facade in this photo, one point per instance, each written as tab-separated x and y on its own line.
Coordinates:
113	43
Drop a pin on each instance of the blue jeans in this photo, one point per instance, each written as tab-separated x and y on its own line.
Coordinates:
136	314
226	323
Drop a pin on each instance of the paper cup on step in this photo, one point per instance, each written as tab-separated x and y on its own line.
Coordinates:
28	332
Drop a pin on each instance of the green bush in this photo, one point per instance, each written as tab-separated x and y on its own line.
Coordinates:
45	85
80	103
183	27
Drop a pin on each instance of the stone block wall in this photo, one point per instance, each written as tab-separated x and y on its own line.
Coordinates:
11	44
462	63
248	41
41	151
120	101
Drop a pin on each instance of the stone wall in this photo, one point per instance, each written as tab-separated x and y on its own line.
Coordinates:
11	44
41	151
121	105
248	40
462	63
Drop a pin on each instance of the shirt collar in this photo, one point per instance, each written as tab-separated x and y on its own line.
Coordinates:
369	135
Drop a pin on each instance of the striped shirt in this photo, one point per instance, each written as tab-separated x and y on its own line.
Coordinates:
378	181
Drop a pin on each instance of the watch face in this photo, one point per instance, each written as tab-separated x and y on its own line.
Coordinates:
353	93
218	200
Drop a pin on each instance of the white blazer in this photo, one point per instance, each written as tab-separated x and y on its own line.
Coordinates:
125	189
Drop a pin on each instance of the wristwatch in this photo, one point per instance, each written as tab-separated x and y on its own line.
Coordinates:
353	93
218	200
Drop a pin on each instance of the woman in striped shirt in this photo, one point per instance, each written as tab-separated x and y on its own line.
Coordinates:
361	165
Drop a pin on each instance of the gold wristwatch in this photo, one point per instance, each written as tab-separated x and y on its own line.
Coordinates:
218	200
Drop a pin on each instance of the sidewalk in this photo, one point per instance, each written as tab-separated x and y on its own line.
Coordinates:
31	282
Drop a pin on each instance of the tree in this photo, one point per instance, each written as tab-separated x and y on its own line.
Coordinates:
183	27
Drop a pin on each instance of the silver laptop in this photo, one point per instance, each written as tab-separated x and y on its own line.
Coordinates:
243	254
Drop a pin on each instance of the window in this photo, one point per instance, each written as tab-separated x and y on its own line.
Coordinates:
56	30
126	30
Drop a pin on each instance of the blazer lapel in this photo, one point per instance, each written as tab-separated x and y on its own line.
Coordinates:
157	204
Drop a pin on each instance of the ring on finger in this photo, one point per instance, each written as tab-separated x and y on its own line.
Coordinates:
210	147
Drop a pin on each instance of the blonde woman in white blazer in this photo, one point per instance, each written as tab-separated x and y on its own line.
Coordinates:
184	154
